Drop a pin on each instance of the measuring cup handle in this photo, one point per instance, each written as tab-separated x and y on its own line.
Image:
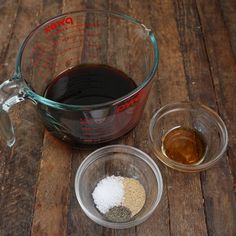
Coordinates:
11	92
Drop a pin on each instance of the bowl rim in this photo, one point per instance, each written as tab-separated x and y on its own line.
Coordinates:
178	106
95	155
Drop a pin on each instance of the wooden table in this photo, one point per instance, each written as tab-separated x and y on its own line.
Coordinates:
197	41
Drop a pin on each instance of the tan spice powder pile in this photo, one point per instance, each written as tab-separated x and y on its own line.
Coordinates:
135	195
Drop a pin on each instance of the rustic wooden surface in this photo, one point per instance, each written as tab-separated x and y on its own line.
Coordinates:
197	41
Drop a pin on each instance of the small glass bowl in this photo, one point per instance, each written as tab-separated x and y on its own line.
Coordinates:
118	160
194	116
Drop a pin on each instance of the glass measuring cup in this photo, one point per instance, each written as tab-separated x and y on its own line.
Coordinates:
83	37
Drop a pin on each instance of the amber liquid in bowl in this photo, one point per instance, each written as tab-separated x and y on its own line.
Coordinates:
184	145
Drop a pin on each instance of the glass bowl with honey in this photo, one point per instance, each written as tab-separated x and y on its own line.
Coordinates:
188	136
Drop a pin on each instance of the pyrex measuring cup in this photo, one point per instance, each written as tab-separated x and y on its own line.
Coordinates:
83	37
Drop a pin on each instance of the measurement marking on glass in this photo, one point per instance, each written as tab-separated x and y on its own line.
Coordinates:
86	128
42	58
88	140
58	23
87	122
53	32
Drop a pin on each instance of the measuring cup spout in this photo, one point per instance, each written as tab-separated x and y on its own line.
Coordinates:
11	92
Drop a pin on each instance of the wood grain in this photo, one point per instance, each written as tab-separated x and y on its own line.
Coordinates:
122	58
9	11
223	69
50	213
21	167
158	223
228	9
197	62
217	187
184	190
9	16
78	222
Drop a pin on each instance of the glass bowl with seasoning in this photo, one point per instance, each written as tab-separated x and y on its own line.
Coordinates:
188	136
118	186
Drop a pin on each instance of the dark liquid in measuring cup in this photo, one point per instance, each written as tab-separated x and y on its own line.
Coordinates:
89	84
184	145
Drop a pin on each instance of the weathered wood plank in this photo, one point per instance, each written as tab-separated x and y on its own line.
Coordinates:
158	223
201	88
184	190
72	5
217	183
194	64
21	169
8	11
50	9
78	222
50	212
120	58
223	67
7	23
228	9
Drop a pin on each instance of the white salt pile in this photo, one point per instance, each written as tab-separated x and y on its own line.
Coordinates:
108	193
